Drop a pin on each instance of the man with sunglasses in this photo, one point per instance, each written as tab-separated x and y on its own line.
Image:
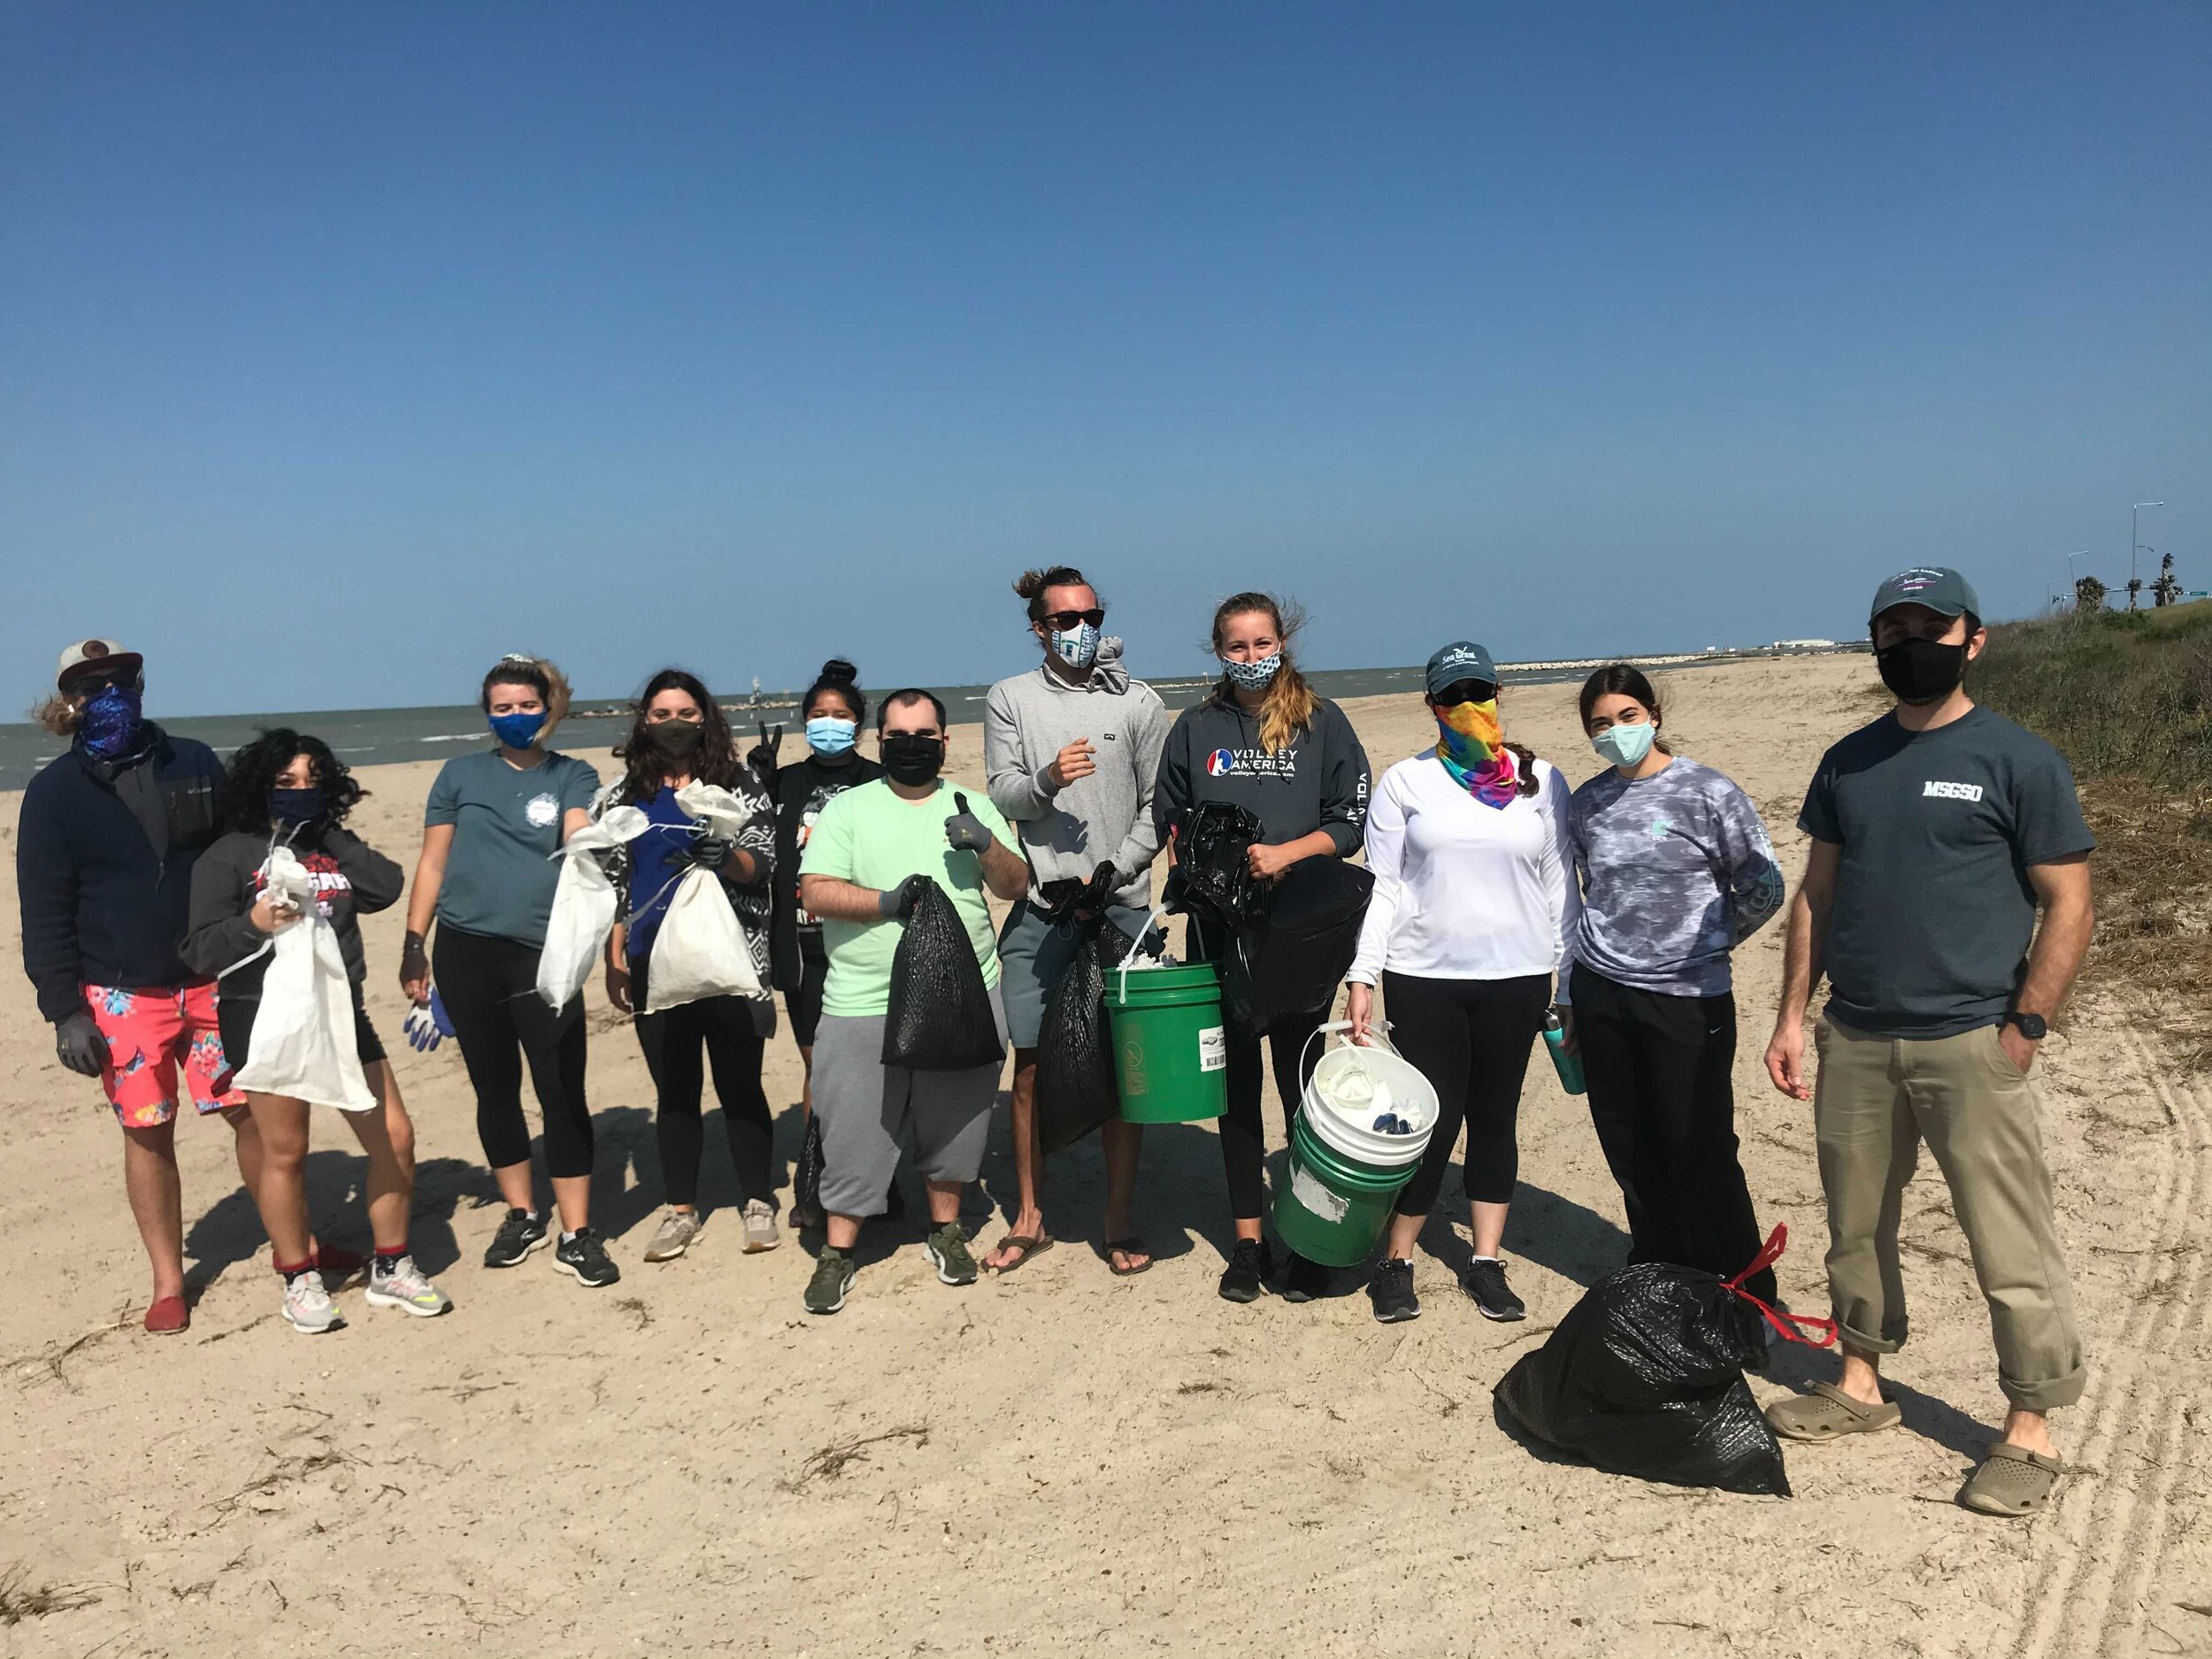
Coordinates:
104	851
1071	748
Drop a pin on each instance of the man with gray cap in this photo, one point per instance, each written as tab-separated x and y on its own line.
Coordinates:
104	849
1937	832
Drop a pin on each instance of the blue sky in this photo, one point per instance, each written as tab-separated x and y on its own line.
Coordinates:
343	348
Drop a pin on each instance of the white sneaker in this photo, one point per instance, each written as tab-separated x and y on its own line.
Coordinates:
677	1229
308	1306
760	1228
407	1288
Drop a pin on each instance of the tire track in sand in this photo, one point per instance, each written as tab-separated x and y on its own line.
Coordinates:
2097	1553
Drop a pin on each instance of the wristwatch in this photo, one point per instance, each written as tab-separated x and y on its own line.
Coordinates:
2032	1025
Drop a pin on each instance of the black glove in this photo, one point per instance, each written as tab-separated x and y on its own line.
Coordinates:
708	854
900	901
761	756
1173	889
414	962
1098	893
79	1046
966	832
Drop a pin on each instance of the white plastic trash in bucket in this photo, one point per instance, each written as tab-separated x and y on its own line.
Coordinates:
1353	1085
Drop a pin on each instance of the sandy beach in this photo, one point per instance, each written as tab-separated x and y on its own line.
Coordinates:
1058	1460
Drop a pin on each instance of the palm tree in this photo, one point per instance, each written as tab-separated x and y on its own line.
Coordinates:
2167	589
2089	593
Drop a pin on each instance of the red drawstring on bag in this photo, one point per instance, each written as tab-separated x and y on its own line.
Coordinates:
1785	1323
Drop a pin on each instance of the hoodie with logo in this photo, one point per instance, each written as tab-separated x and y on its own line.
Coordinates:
1318	781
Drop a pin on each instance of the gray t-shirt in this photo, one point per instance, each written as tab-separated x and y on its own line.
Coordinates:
1933	910
1677	870
500	876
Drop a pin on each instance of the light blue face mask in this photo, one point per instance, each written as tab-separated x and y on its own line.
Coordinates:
1078	648
1625	745
1252	675
827	734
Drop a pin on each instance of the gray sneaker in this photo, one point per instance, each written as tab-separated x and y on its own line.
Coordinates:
949	1249
677	1229
760	1228
833	1272
407	1288
308	1306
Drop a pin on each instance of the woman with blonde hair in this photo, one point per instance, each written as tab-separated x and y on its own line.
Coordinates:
485	876
1265	741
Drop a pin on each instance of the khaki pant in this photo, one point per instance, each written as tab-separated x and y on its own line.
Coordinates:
1876	1098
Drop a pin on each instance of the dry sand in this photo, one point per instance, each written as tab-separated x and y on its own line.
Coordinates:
1059	1460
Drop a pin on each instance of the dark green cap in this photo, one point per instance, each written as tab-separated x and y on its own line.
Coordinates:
1943	591
1462	660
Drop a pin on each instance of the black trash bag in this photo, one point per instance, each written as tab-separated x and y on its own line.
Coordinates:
1289	956
806	1183
1212	876
940	1018
1644	1376
1077	1087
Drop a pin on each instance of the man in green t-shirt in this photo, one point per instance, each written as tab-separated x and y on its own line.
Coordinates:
875	850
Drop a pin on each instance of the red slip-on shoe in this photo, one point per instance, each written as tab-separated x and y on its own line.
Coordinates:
168	1316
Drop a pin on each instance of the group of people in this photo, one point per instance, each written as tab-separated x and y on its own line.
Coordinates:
1502	901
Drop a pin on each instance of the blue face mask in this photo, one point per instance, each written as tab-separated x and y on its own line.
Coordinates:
1625	745
827	734
111	721
1252	675
517	731
1078	648
297	806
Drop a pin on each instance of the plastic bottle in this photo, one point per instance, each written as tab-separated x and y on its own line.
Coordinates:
1568	1066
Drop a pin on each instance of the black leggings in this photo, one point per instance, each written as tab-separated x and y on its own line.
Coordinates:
726	1028
1470	1039
490	990
1243	1134
1665	1106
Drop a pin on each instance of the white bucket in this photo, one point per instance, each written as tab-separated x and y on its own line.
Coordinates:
1354	1084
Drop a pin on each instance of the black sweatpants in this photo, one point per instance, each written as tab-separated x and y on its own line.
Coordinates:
728	1030
1470	1039
1243	1132
1665	1106
490	990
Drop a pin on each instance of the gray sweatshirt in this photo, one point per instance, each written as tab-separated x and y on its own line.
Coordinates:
1069	832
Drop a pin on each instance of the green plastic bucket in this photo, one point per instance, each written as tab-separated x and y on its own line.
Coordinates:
1334	1208
1345	1175
1169	1057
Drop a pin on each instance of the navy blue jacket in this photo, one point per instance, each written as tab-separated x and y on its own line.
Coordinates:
103	858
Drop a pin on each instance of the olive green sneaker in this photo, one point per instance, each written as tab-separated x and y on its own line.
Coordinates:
833	1272
949	1249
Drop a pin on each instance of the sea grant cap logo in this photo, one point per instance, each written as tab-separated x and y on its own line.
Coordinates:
1461	659
1940	589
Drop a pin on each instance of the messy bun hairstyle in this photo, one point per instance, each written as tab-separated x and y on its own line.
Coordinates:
841	681
519	668
1031	586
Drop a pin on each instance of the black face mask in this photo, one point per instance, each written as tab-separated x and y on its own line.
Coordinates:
912	758
1921	671
289	808
674	739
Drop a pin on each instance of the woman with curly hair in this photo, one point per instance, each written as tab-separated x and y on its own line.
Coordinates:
285	789
680	737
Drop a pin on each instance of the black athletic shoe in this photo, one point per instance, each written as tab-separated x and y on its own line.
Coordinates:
1485	1281
585	1259
520	1235
1305	1280
1391	1290
1248	1267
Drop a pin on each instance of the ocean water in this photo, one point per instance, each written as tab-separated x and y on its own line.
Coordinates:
372	737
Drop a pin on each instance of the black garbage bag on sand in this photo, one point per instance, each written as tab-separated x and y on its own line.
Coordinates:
940	1018
1644	1376
1289	956
1076	1088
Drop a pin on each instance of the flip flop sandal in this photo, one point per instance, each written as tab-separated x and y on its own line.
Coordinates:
1829	1414
2012	1481
1025	1246
1131	1245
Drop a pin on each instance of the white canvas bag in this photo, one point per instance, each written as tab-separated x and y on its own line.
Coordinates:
583	905
303	1043
701	950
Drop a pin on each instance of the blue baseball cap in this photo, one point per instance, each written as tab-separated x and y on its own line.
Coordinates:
1462	660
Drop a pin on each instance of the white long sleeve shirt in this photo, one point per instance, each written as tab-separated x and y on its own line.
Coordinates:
1464	891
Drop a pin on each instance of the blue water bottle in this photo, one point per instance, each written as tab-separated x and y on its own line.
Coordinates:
1568	1066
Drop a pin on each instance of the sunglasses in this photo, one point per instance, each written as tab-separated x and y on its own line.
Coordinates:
1067	621
1466	691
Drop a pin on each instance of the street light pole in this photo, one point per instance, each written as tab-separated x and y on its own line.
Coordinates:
2135	583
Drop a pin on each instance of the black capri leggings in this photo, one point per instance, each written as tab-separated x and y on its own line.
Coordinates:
490	990
1470	1039
1243	1134
729	1032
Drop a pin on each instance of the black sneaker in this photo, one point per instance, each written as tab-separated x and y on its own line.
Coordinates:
585	1258
1248	1267
520	1235
1485	1281
1305	1280
1391	1290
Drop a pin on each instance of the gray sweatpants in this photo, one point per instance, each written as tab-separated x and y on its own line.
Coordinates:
865	1106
